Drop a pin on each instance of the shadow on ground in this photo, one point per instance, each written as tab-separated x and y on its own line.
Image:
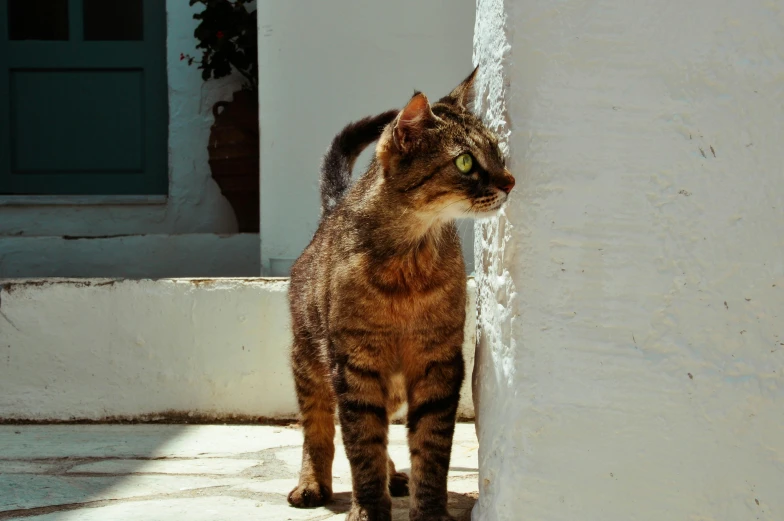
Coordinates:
176	472
460	506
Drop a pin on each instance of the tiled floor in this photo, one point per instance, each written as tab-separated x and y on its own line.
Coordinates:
185	472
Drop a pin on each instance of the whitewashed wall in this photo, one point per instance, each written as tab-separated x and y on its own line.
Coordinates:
131	256
195	203
324	64
102	349
631	361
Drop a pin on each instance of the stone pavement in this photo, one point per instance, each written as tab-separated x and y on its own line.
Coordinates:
185	472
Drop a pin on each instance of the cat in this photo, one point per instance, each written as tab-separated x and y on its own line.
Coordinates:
378	299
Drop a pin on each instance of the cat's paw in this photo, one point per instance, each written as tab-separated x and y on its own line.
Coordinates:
398	484
309	495
357	513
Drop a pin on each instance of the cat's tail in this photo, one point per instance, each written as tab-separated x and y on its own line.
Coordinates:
343	152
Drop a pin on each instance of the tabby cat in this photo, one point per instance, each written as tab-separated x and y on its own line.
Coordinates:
378	300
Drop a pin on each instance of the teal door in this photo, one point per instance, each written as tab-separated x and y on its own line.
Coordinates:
83	97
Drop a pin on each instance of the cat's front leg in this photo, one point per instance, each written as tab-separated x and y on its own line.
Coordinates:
362	394
433	393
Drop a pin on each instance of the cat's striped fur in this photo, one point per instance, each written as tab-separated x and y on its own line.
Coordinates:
378	301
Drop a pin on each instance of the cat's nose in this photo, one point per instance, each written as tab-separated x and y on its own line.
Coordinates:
507	183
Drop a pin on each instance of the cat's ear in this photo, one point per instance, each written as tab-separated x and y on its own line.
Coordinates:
462	95
412	121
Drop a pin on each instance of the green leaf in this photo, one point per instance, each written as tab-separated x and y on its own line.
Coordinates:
237	50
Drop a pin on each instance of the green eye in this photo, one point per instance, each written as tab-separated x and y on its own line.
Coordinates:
464	163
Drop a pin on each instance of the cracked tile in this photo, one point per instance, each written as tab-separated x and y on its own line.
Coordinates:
134	441
219	466
20	491
27	467
208	473
214	508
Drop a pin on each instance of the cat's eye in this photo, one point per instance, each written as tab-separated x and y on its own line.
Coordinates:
464	163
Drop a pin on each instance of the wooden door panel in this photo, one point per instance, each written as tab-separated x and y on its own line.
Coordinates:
77	121
88	115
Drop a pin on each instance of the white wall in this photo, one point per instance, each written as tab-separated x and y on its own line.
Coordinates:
132	256
631	354
104	349
195	204
324	64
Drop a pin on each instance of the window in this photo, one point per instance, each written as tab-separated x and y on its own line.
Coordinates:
83	97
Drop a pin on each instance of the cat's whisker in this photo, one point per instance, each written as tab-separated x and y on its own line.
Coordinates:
455	202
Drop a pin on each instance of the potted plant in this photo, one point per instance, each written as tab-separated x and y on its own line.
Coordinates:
226	34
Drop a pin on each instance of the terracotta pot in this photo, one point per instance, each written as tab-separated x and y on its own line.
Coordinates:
234	156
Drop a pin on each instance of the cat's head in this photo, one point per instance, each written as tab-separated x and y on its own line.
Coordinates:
443	160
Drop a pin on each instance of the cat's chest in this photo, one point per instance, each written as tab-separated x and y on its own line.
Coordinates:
403	295
416	308
423	275
415	311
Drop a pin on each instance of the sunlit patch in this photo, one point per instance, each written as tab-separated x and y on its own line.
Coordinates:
449	206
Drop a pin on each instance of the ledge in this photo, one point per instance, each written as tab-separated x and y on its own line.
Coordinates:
81	200
100	349
131	256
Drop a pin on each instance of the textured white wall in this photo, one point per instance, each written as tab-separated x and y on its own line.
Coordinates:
631	361
132	256
97	349
195	203
324	64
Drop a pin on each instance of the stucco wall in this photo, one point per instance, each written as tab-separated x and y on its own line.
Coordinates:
631	351
324	64
195	204
132	256
106	349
